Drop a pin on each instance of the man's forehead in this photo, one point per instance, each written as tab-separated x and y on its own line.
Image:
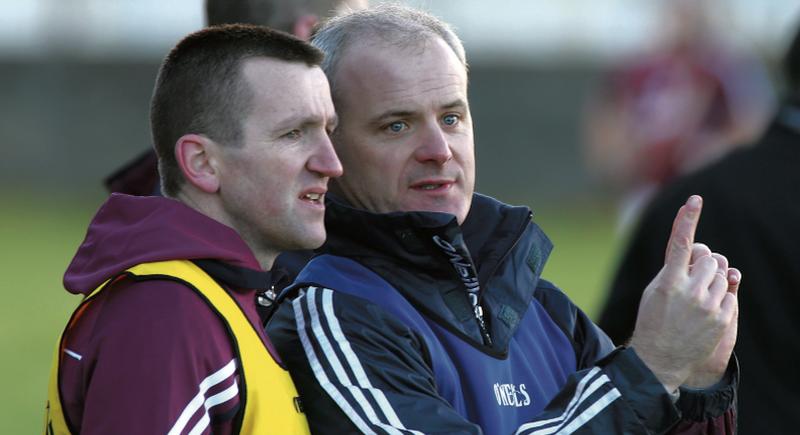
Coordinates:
380	50
306	108
288	93
279	77
392	77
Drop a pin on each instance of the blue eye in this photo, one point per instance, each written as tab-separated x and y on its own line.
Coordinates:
397	126
450	119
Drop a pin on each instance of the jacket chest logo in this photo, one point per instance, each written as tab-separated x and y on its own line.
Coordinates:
461	263
512	395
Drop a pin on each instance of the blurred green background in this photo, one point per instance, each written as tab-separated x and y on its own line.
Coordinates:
40	232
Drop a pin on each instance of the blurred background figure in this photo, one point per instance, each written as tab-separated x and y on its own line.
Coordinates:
298	17
752	213
675	109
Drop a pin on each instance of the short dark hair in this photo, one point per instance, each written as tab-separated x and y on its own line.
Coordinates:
277	14
791	65
199	88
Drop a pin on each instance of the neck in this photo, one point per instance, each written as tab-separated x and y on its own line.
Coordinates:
264	260
211	208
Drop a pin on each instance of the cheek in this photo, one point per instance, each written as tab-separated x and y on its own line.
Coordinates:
464	146
360	162
270	182
465	154
368	159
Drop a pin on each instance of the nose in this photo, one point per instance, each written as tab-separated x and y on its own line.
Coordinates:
433	146
325	161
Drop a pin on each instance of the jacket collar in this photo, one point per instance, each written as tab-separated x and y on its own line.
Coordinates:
490	229
434	262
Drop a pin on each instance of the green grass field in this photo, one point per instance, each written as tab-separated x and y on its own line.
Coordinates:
39	235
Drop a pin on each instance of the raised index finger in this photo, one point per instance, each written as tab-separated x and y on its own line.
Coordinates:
679	246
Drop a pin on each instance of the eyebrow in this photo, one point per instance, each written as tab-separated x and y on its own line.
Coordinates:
407	113
455	103
307	121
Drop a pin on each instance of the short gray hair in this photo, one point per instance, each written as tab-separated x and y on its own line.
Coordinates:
394	24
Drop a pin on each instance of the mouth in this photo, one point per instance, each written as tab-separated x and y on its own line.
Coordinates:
432	185
316	197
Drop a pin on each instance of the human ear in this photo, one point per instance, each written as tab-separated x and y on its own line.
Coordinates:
196	158
303	27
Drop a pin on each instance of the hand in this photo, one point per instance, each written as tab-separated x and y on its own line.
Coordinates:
687	309
711	370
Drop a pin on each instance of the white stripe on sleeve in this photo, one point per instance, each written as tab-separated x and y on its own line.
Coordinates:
582	393
319	372
221	397
568	410
199	399
355	363
592	411
329	347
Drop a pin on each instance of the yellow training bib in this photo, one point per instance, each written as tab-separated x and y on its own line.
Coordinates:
267	393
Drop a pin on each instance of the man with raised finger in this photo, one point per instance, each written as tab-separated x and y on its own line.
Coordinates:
427	313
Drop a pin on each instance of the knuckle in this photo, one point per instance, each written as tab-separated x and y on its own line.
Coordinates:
696	300
711	312
664	288
707	264
721	319
669	286
706	313
721	259
682	242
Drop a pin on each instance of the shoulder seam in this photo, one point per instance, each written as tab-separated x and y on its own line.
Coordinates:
543	286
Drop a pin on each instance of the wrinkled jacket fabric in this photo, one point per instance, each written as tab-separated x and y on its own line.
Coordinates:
381	336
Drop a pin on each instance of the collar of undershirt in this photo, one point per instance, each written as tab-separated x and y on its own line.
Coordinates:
241	277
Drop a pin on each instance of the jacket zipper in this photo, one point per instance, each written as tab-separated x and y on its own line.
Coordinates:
487	339
468	274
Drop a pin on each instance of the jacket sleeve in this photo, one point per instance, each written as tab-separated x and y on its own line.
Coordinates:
358	369
618	395
612	390
149	357
710	411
